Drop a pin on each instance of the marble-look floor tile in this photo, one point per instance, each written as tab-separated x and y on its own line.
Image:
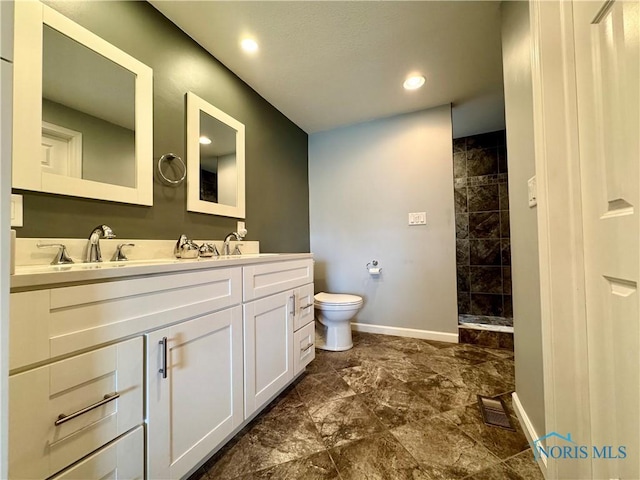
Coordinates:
339	360
376	457
443	450
525	466
344	420
318	466
285	433
496	472
363	338
470	354
398	405
320	364
319	388
502	443
410	345
409	368
489	378
368	376
441	393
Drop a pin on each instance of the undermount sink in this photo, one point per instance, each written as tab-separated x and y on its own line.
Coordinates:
31	269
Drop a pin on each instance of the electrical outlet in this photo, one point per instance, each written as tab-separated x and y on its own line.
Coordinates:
16	210
242	231
532	188
418	218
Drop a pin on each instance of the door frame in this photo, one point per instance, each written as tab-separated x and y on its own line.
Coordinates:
560	236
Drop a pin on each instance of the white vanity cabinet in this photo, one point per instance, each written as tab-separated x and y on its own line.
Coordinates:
194	397
275	294
190	355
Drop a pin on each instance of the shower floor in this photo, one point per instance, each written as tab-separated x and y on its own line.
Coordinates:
484	322
495	332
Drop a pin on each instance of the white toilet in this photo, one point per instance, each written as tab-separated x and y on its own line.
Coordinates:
334	312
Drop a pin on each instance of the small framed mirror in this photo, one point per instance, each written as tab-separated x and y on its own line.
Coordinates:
215	160
83	119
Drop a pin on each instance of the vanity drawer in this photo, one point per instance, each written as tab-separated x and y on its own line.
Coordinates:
303	347
104	387
120	460
45	324
269	278
304	306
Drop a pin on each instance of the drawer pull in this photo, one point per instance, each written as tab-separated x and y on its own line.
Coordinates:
306	348
62	418
163	369
306	306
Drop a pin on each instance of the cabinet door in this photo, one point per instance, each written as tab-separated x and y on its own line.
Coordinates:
304	306
268	348
194	374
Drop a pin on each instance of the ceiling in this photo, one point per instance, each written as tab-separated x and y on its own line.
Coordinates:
326	64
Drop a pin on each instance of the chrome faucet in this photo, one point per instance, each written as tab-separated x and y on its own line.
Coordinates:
227	239
93	248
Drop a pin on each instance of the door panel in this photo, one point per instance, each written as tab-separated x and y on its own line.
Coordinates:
607	66
268	345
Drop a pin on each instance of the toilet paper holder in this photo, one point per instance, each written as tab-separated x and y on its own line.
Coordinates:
372	267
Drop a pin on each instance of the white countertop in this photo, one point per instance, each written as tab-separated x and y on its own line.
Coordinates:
41	276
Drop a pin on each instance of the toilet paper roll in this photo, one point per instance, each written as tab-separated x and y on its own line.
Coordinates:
374	271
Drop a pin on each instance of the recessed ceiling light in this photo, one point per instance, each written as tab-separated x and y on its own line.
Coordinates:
205	140
413	82
249	45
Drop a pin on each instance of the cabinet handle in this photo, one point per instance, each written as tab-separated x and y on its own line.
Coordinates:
62	418
163	368
293	305
306	306
306	348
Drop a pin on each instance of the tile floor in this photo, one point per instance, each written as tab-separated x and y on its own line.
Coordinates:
390	408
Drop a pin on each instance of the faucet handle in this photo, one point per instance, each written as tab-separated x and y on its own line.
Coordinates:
237	251
62	257
119	256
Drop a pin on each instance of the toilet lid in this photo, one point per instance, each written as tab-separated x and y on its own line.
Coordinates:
336	298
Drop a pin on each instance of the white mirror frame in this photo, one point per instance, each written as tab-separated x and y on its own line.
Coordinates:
30	16
195	105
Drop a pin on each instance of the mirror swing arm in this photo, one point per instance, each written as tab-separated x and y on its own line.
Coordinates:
30	19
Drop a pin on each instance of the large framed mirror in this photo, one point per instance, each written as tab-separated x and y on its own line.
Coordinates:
215	160
83	112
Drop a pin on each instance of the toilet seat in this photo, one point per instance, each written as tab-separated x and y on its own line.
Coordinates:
336	299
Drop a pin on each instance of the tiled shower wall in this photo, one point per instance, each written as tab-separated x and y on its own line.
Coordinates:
483	250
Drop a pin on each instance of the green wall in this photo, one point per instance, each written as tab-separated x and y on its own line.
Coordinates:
277	212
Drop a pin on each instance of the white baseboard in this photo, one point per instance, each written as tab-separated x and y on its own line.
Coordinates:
529	430
406	332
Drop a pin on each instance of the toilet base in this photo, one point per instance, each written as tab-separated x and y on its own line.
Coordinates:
333	336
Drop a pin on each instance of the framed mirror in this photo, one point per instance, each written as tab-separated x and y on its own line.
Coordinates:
215	160
83	112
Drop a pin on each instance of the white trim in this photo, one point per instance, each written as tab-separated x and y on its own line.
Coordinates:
405	332
560	239
529	430
74	142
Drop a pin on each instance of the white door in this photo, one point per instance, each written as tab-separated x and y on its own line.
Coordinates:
268	348
194	375
607	66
